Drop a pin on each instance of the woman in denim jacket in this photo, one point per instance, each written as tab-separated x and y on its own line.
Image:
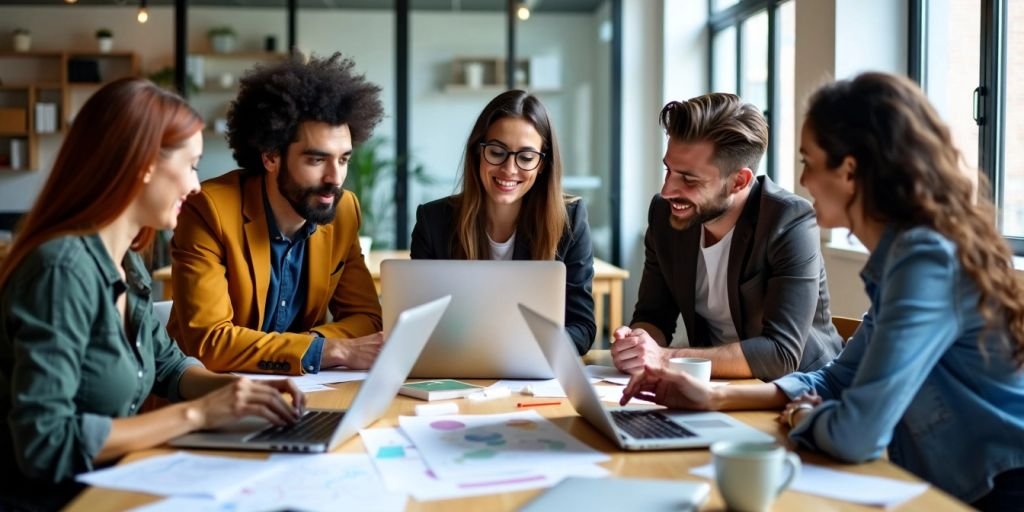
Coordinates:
933	374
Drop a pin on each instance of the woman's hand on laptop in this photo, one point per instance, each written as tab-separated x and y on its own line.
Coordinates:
244	397
354	353
672	389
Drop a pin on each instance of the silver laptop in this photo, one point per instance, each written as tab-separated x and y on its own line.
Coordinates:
320	430
482	335
631	429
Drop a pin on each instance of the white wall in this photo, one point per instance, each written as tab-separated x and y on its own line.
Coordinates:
837	39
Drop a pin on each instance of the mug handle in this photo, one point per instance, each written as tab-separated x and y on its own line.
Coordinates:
793	463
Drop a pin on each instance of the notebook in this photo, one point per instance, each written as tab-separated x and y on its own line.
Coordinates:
618	494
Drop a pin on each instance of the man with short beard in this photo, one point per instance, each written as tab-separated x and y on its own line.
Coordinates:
264	252
738	257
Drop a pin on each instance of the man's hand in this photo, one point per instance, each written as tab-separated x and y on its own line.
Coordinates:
634	349
671	389
354	353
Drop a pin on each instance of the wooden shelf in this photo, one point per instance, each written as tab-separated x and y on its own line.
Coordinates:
34	54
241	55
46	81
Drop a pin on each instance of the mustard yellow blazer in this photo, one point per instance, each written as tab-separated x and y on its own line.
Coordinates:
221	272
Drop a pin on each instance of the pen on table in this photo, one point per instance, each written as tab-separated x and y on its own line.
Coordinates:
536	404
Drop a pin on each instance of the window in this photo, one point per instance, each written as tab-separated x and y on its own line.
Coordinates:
971	74
752	55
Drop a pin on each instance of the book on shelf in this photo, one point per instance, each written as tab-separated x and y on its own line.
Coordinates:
46	117
441	389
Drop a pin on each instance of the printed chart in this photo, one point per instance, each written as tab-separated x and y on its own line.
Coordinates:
403	470
466	445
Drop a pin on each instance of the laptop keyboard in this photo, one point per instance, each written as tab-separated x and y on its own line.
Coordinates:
649	425
312	427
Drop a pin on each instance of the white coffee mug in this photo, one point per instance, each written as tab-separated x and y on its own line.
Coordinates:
697	367
751	475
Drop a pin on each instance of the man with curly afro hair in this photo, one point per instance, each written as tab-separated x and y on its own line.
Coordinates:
264	252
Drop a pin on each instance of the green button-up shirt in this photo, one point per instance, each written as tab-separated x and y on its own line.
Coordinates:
67	364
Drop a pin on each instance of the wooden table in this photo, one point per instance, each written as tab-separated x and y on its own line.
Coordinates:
607	285
660	464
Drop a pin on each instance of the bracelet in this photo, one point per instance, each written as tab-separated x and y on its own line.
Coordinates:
792	412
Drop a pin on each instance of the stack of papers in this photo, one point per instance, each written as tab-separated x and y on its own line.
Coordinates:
312	382
201	483
445	457
841	485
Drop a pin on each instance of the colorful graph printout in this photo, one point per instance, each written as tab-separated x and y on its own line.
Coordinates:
465	445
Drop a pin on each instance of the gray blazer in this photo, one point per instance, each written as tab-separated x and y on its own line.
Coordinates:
778	295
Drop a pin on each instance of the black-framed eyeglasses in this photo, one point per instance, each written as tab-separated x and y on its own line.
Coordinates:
526	160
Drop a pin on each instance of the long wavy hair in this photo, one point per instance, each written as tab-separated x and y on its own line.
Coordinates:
909	173
117	136
543	217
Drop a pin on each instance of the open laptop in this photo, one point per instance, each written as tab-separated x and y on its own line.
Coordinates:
320	430
631	429
482	335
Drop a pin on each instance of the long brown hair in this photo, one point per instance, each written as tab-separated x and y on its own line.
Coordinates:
118	134
543	216
909	173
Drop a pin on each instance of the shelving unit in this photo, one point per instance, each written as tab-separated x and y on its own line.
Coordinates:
216	75
30	78
492	76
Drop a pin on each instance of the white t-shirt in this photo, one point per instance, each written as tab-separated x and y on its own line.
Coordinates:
502	251
712	297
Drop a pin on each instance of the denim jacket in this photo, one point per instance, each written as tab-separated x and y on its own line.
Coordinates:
913	378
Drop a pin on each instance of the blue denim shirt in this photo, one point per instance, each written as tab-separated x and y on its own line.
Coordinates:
913	377
286	296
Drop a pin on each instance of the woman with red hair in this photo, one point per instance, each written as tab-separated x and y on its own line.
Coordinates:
80	347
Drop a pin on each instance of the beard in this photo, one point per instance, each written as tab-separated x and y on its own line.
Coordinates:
305	200
710	210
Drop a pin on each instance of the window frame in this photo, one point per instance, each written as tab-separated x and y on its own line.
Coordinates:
734	16
990	94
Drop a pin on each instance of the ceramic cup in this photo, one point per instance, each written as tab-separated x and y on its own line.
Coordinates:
751	475
697	367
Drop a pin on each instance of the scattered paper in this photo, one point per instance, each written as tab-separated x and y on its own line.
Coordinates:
842	485
488	444
403	470
327	483
182	474
607	374
312	382
517	385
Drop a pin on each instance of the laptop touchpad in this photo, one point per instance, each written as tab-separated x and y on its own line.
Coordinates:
247	424
705	424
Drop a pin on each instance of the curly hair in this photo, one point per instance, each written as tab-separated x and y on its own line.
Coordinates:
273	100
909	173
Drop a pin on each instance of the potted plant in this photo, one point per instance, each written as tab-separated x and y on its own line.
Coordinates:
105	40
371	177
22	40
222	39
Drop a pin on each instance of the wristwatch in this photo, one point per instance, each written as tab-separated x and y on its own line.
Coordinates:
792	412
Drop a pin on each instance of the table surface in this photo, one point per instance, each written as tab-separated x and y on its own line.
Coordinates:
657	464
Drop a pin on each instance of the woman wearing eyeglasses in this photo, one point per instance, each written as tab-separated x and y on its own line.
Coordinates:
511	206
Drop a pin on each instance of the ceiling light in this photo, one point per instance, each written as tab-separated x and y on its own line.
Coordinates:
143	13
523	12
70	1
